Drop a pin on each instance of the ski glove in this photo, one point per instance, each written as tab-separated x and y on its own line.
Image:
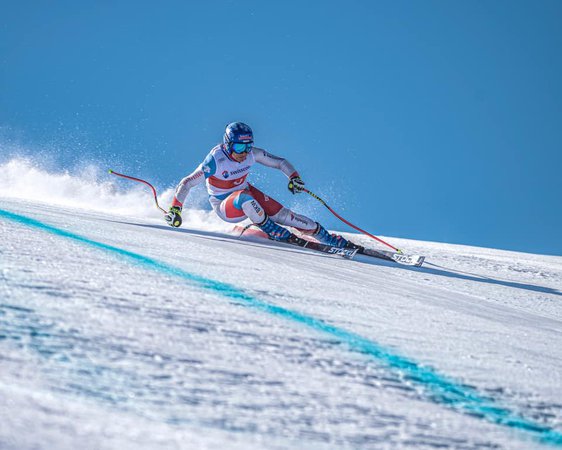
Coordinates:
174	216
295	185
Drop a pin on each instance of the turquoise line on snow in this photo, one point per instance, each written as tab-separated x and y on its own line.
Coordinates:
438	388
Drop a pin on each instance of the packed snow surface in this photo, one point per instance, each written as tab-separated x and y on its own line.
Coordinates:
117	331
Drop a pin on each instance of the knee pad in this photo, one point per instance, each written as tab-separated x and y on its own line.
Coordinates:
241	199
230	209
253	210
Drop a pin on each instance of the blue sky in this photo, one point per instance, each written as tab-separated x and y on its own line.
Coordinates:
434	120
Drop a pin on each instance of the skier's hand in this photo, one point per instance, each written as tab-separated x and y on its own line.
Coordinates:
174	216
295	185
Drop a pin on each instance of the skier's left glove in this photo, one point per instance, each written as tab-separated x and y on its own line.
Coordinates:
295	185
174	216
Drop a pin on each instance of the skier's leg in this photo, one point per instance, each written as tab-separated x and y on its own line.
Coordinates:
306	225
281	215
241	204
291	219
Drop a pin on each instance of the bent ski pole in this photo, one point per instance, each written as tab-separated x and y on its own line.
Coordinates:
141	181
312	194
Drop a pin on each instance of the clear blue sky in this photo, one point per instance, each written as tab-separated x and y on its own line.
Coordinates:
434	120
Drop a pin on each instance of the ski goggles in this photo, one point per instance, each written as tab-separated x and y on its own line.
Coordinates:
240	148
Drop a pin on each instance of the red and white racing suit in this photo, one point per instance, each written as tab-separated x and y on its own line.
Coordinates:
230	194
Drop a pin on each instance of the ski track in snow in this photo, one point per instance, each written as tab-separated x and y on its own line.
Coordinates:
143	336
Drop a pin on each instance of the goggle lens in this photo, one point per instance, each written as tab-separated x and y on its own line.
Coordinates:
241	148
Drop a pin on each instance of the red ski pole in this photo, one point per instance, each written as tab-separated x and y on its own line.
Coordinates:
141	181
348	223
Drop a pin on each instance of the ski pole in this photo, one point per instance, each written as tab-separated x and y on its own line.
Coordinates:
141	181
312	194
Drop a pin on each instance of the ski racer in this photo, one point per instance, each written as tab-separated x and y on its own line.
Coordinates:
233	199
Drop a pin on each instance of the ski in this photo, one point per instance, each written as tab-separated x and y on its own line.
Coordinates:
350	252
347	253
399	258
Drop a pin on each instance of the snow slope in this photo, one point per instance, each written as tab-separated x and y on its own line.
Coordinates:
117	331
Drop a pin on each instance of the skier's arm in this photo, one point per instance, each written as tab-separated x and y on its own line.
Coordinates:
204	170
173	217
185	185
267	159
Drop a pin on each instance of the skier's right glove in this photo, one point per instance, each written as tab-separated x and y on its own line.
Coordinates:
174	216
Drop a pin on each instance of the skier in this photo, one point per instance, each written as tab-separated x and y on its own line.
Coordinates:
233	199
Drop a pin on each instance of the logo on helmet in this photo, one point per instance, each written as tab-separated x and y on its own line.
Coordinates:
245	138
225	174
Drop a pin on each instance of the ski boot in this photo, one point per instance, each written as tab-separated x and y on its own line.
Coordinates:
274	231
335	240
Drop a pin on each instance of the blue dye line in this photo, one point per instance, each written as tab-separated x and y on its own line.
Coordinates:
438	388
